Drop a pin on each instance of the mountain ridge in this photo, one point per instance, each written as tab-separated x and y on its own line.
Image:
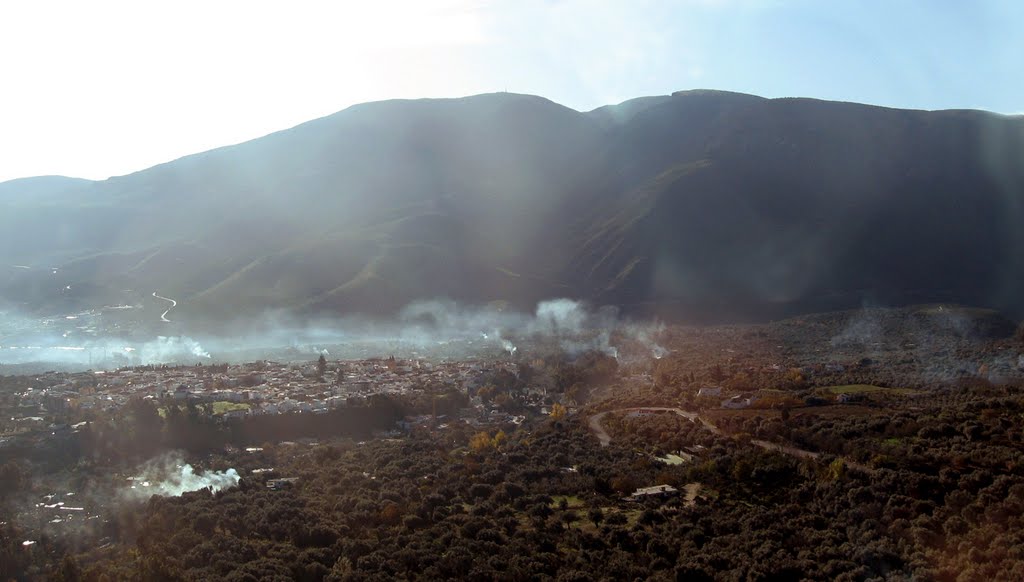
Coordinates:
727	204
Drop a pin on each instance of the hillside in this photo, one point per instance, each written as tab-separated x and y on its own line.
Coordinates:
700	205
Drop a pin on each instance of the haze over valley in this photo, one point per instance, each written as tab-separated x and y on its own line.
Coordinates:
696	207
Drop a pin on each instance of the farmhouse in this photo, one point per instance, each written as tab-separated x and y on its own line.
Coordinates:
657	491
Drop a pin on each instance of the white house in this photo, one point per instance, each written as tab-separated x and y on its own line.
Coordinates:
655	491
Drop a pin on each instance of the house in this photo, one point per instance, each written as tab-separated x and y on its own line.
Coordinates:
710	391
354	386
228	395
655	492
281	483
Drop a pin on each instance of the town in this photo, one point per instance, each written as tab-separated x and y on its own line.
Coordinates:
57	400
718	424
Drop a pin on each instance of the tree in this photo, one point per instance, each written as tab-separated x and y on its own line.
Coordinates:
499	439
557	412
623	484
566	375
69	571
794	378
505	402
146	424
485	393
480	442
321	366
576	393
836	470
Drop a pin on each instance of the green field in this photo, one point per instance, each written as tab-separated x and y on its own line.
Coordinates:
223	406
572	501
672	459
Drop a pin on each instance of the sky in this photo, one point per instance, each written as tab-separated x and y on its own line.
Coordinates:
108	87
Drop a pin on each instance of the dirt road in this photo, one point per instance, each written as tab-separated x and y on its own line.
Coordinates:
602	435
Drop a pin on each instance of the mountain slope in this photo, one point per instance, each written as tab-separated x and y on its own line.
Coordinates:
700	204
800	201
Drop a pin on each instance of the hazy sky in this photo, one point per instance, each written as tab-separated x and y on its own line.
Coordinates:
100	87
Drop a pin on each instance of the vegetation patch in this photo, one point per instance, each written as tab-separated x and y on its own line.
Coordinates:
870	389
672	459
223	406
566	502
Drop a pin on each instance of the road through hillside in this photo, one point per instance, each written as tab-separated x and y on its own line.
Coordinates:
163	316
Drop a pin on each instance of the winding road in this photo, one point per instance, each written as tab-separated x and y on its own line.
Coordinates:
602	435
594	421
163	316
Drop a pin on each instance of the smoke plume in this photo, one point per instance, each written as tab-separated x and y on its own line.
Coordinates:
170	475
436	327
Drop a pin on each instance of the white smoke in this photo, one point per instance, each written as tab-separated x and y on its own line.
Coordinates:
429	327
862	328
166	350
645	336
508	347
560	316
600	342
169	475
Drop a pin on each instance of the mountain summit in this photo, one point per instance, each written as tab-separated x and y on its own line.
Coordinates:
699	205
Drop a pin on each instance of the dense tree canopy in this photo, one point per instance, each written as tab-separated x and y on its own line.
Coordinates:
940	495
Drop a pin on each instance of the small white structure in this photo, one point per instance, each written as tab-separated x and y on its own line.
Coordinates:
652	492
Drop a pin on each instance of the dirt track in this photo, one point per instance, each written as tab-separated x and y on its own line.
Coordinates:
602	435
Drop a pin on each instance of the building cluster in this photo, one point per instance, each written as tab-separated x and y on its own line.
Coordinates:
258	388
